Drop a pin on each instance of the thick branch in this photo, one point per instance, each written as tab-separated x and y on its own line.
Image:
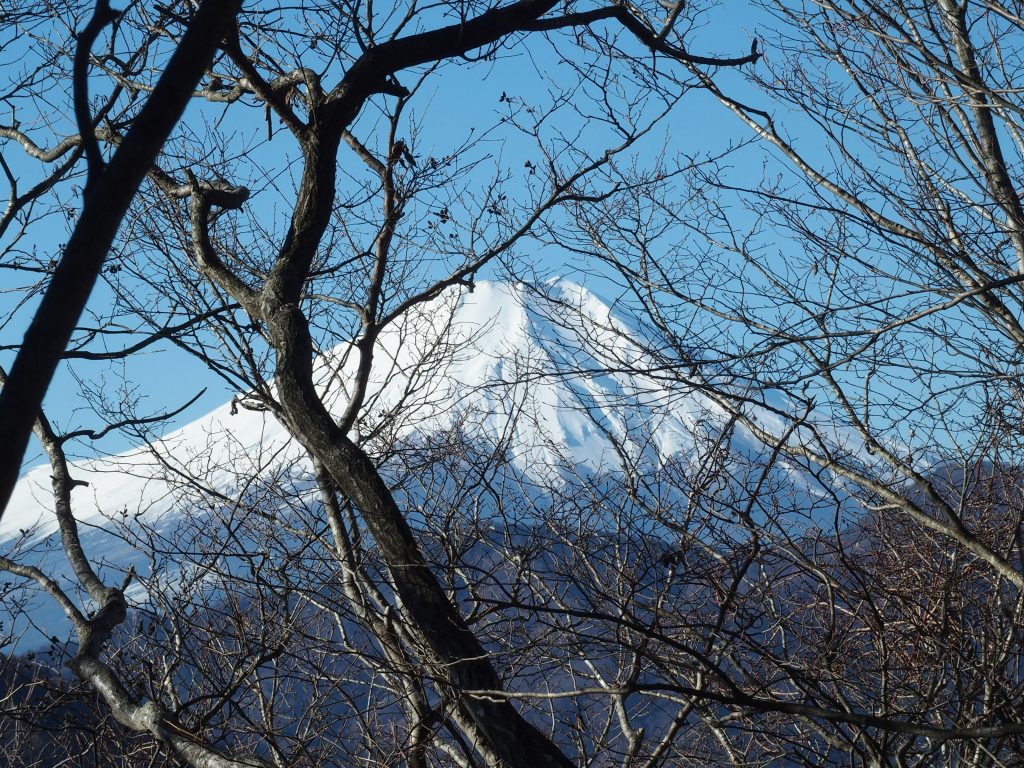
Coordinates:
207	260
104	207
655	42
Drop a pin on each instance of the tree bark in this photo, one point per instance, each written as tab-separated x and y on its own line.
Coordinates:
459	657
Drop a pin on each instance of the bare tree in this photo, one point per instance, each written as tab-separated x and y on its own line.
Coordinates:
858	309
831	577
201	263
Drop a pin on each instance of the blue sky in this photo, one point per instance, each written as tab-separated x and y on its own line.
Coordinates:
455	102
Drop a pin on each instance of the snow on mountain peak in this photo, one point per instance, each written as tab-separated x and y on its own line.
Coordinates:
547	366
499	360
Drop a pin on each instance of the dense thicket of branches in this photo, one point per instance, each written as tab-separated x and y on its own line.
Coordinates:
847	592
864	295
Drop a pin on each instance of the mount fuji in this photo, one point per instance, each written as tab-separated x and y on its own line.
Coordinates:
556	378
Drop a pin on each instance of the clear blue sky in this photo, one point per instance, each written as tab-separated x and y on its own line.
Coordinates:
451	104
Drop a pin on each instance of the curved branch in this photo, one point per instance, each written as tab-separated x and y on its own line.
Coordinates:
102	16
34	150
207	260
166	332
655	42
94	435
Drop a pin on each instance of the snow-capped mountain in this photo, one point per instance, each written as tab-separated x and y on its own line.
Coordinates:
556	378
493	360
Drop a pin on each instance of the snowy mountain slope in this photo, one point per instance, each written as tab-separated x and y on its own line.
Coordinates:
542	377
462	358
